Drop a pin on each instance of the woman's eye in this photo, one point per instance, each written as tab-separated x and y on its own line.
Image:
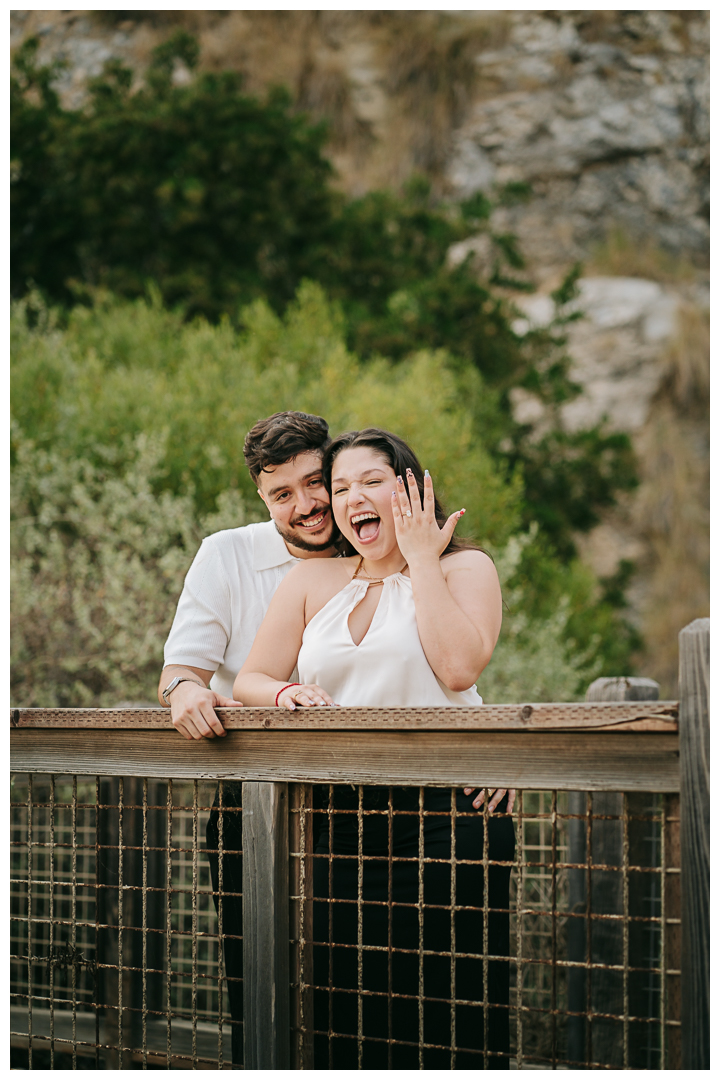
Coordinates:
339	491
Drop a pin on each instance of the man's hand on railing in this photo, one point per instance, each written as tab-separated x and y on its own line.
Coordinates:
496	797
192	707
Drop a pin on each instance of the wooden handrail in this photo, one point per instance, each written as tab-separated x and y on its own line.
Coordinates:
572	716
581	746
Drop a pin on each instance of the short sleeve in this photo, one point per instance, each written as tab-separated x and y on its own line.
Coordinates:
203	621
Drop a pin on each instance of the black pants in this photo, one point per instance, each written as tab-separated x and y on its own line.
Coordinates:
229	904
397	1018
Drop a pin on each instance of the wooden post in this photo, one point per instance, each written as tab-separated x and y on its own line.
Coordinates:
598	1042
266	926
694	730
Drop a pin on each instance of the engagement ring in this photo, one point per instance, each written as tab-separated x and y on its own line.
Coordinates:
408	513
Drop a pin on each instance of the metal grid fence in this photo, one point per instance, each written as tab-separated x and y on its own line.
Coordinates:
403	950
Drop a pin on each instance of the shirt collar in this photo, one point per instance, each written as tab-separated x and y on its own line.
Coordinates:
269	548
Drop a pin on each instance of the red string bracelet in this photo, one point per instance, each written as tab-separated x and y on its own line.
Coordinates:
285	688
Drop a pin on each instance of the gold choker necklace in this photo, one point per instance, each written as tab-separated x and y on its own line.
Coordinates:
373	581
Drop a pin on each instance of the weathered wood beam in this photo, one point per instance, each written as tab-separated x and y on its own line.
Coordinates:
266	926
573	760
581	715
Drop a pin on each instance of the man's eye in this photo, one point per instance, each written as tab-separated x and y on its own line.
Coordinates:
314	483
283	495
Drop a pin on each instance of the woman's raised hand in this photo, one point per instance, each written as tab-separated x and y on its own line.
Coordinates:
305	695
416	529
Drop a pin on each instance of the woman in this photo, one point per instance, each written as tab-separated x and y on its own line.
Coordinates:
410	618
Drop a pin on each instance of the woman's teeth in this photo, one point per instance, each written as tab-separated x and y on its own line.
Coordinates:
365	525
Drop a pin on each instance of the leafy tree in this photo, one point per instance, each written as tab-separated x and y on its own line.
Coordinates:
212	194
207	199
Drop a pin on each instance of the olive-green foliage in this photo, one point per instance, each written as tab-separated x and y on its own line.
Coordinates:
127	448
219	198
536	658
122	368
98	560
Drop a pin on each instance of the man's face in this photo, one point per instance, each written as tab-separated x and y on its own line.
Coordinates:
299	504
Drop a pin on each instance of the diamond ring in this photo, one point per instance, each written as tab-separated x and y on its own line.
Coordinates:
408	513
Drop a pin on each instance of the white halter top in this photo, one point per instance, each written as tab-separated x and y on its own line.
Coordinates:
388	667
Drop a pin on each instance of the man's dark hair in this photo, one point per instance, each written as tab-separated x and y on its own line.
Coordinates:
281	437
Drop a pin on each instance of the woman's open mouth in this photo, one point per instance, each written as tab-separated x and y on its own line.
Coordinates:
366	526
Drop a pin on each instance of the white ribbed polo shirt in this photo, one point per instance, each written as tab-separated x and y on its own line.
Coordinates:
227	591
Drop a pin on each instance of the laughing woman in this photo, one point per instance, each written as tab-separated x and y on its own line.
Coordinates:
410	618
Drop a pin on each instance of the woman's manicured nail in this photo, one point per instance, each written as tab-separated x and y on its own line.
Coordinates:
427	472
399	479
461	512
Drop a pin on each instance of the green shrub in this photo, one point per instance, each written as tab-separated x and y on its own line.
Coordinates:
127	449
98	561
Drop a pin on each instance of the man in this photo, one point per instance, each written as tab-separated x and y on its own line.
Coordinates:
227	591
236	572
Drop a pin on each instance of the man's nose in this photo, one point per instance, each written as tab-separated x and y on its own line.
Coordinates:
307	501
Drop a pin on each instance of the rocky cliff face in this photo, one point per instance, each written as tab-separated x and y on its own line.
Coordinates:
605	115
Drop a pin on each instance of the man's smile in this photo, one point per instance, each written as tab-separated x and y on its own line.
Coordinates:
313	522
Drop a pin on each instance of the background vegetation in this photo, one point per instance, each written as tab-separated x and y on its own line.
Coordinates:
182	266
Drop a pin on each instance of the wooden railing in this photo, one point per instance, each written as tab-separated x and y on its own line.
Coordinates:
592	747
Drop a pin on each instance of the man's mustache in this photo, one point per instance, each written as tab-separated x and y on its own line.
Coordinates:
309	517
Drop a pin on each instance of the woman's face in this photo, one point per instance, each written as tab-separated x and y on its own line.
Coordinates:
361	490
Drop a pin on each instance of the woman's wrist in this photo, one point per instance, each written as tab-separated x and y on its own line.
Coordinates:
282	689
424	563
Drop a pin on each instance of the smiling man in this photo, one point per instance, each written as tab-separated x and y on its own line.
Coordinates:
227	591
236	572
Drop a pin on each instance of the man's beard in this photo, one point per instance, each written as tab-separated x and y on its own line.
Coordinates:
302	544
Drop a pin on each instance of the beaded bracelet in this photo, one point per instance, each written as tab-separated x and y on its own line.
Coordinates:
285	688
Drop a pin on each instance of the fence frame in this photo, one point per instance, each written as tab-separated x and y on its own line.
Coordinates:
590	746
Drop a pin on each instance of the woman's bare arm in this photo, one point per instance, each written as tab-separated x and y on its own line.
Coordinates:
458	608
458	604
275	650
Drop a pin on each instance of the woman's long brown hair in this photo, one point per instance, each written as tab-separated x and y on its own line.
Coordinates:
400	457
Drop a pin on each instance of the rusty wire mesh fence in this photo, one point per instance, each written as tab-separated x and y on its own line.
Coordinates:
424	933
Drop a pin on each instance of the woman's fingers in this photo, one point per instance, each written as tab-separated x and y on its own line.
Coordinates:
496	795
449	527
306	697
415	504
429	495
497	798
402	498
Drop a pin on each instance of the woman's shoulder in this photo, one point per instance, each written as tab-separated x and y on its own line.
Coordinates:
468	559
310	571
